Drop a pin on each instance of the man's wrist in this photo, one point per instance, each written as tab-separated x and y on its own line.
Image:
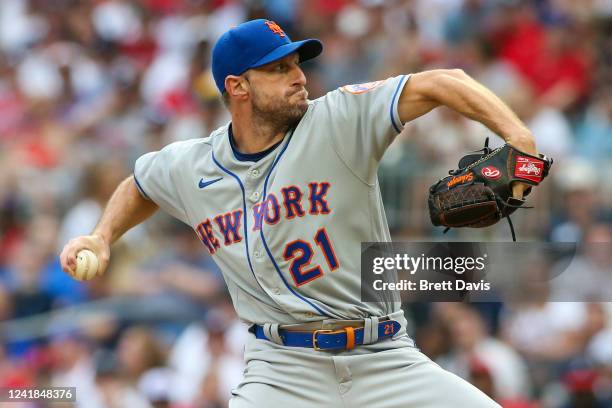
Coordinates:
105	237
525	143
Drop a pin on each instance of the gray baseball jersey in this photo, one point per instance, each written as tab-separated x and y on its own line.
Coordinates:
286	229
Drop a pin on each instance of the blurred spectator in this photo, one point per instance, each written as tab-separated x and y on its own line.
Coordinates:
546	331
99	181
115	390
207	359
139	351
155	385
580	386
24	281
181	277
594	134
476	354
73	366
468	22
589	276
578	184
600	351
552	58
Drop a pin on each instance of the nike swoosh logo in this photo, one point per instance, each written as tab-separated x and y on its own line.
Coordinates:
203	183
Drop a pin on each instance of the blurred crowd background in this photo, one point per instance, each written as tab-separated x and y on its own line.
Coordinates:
86	87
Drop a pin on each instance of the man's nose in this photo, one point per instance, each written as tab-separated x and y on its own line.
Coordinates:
300	78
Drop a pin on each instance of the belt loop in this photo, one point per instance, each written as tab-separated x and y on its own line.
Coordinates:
271	332
374	330
367	331
370	330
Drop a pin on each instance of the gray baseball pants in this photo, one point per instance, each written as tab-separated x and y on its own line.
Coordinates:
388	374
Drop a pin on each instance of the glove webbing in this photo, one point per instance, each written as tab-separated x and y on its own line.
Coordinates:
506	204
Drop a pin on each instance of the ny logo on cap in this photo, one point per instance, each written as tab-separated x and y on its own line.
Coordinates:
275	28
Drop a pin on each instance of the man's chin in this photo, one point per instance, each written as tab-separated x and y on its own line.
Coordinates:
300	110
302	106
288	114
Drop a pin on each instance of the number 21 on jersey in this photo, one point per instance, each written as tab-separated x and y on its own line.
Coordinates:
300	253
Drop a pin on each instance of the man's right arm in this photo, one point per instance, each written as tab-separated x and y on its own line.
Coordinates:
125	209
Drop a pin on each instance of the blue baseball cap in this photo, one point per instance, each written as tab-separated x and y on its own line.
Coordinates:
253	44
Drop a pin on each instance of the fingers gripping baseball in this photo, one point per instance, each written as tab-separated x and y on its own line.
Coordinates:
85	257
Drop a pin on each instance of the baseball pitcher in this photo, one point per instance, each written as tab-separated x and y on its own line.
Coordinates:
281	198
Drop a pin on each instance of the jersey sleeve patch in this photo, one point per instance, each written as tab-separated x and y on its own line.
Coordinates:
362	88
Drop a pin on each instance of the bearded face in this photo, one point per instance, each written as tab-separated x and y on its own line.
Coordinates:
283	110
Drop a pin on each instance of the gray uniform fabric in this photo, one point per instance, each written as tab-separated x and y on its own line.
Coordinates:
367	377
286	233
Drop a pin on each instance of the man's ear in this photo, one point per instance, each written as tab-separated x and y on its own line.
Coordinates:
236	87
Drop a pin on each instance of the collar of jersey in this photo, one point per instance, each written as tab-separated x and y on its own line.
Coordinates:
249	157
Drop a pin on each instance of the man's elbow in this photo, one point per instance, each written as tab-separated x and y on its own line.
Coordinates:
442	74
451	79
456	73
436	84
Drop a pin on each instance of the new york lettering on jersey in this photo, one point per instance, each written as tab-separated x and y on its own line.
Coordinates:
291	204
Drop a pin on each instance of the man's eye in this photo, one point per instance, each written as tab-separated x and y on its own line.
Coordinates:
281	67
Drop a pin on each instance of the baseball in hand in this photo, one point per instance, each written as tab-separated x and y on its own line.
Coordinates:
86	265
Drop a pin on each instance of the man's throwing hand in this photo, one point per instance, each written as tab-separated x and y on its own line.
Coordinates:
95	244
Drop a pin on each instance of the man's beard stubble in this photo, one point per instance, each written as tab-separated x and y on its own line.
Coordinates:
278	114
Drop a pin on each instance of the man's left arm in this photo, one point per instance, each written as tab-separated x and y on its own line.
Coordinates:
457	90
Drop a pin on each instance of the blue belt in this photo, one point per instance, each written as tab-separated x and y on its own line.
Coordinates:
341	339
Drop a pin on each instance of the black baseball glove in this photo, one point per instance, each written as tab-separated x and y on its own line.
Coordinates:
479	192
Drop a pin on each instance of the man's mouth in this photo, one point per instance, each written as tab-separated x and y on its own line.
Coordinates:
303	94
